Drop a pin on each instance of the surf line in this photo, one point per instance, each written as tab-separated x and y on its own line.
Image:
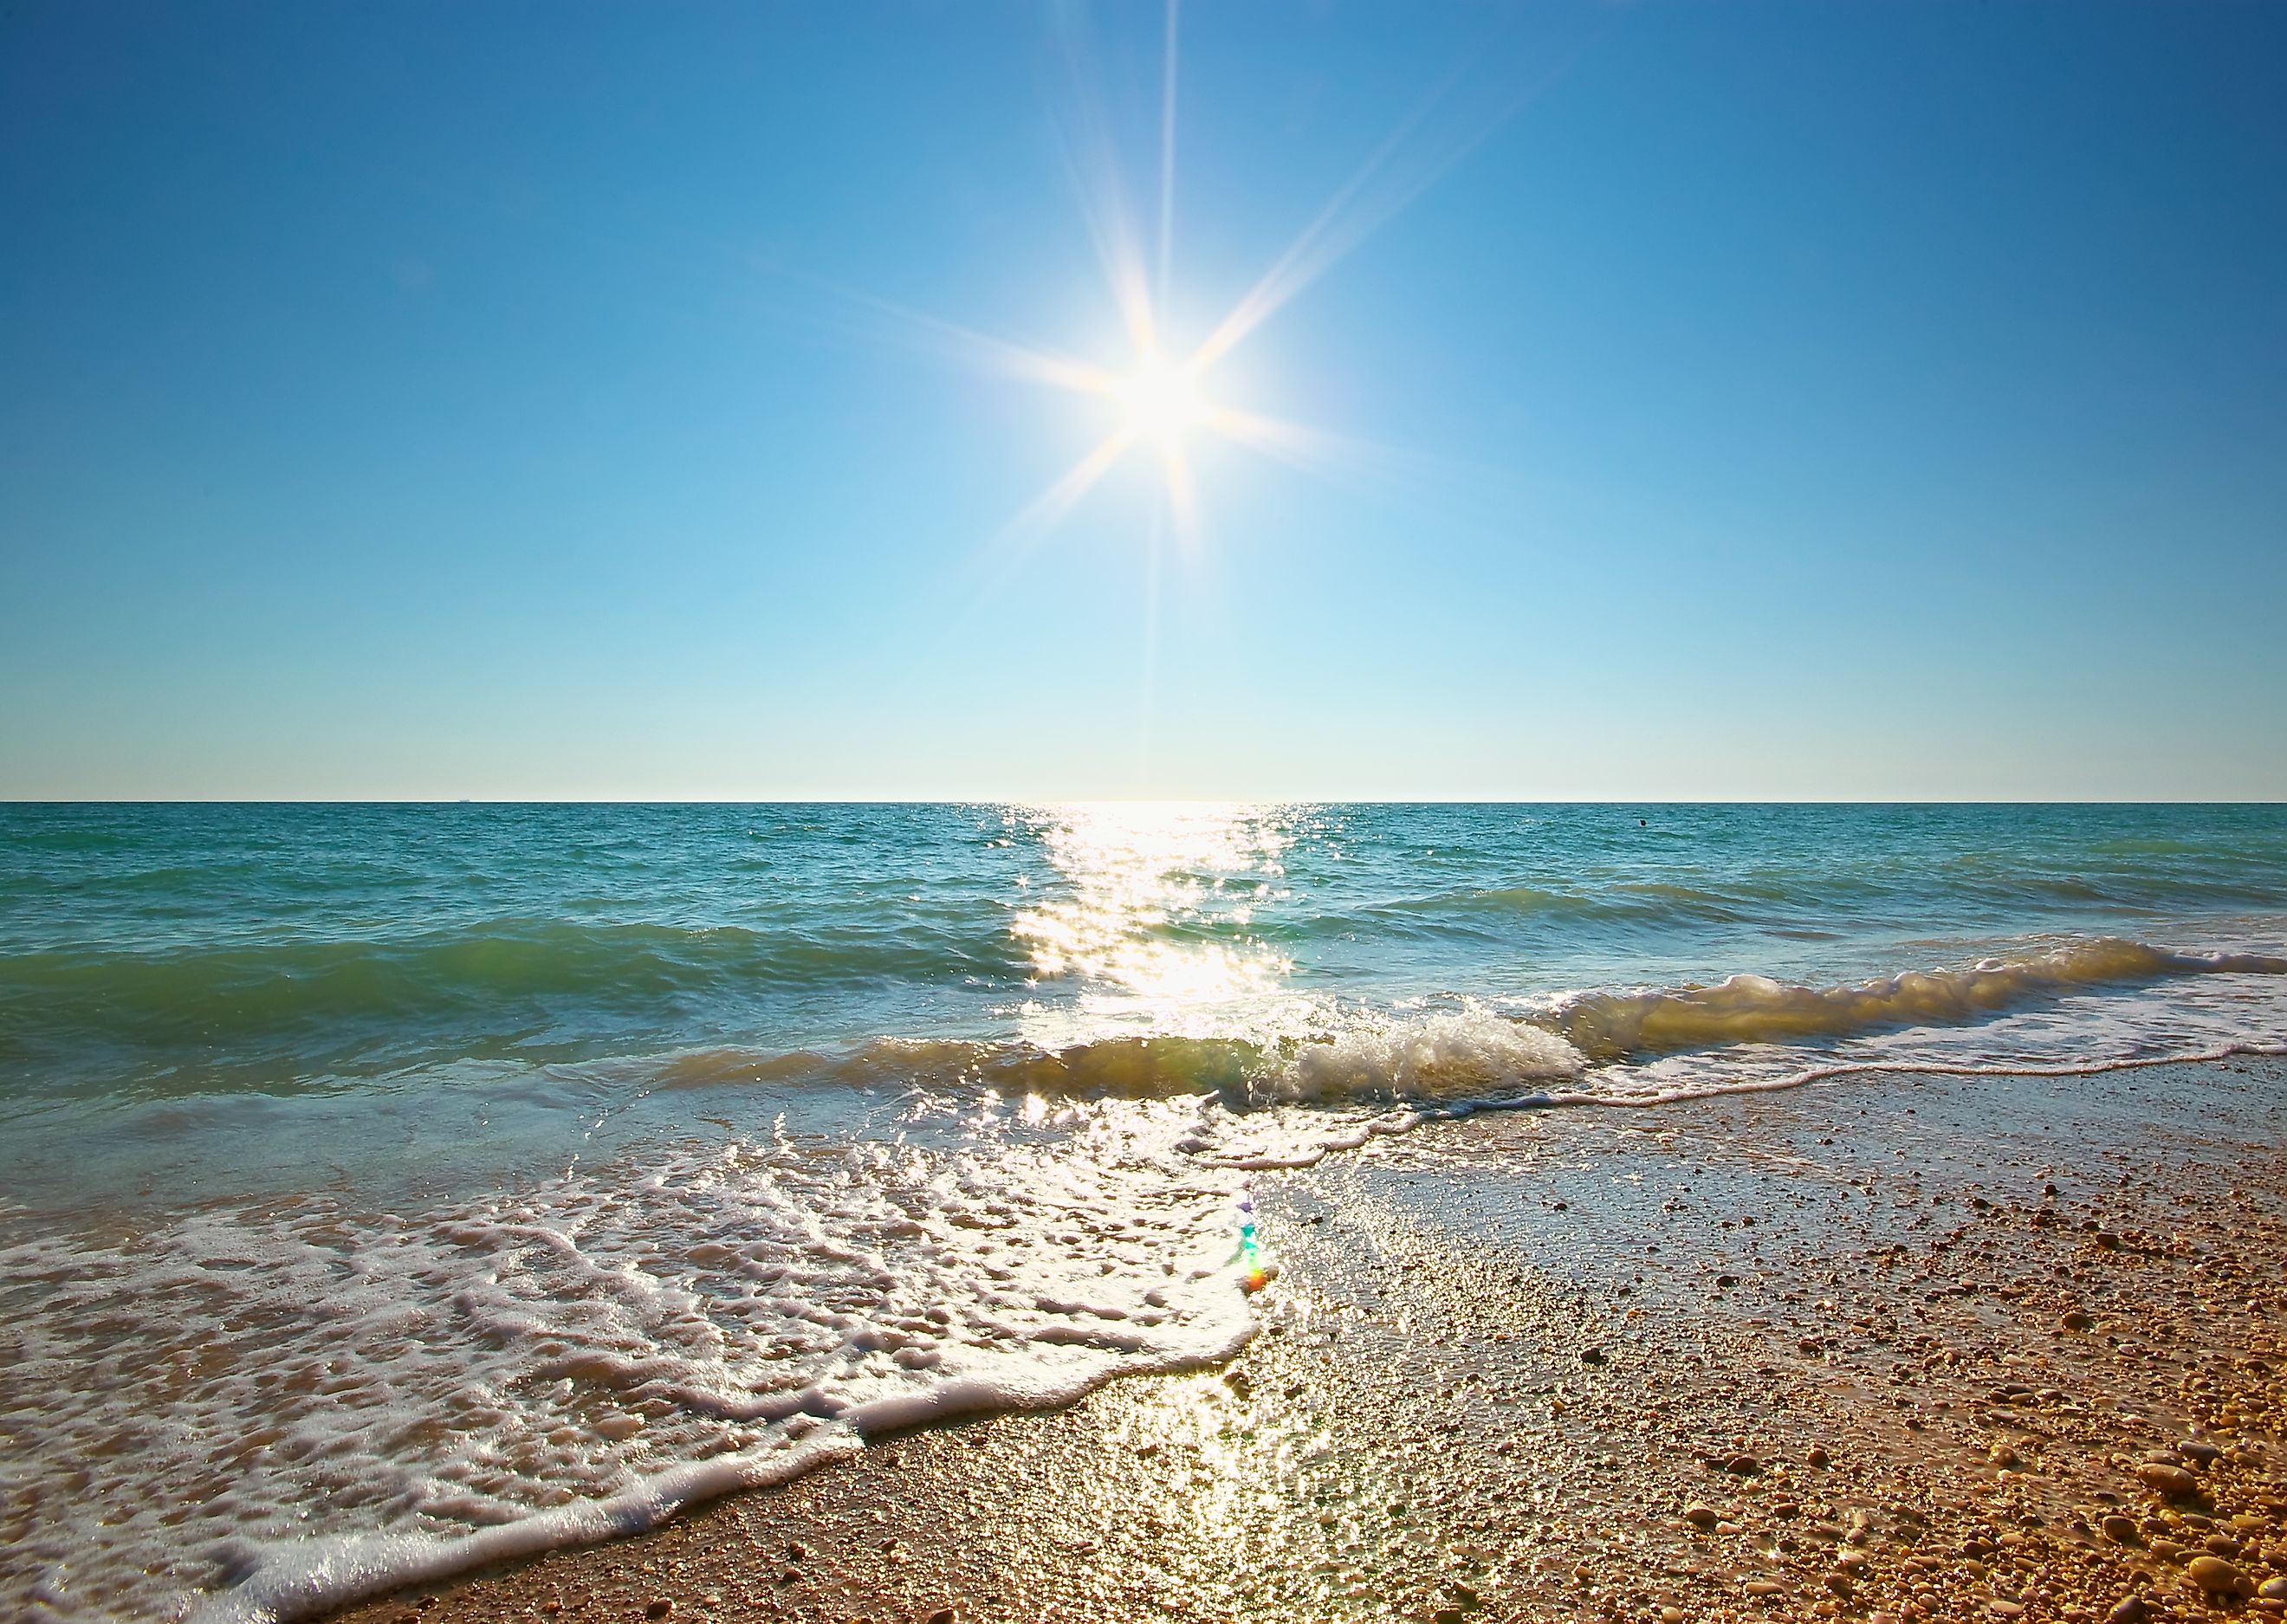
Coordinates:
1406	1122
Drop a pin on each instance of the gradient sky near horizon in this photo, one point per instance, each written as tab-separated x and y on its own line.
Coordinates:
1758	401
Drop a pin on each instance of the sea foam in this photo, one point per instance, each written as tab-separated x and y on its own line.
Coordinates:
255	1412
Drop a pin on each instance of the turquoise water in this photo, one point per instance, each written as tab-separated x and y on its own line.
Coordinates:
698	1141
152	951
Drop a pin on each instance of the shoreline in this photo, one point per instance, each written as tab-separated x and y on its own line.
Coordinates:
1835	1352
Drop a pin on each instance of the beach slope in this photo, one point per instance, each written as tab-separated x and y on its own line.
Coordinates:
1923	1347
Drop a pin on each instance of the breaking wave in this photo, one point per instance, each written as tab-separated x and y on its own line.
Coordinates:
1753	1009
1333	1056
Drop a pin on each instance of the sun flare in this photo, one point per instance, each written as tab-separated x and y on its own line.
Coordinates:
1151	404
1163	400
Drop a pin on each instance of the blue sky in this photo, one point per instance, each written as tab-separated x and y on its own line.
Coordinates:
1871	401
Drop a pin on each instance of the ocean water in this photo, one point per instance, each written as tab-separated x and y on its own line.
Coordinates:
386	1189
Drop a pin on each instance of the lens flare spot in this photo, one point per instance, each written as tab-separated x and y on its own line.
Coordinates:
1163	400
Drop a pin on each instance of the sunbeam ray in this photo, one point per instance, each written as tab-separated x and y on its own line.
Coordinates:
870	319
1168	159
1043	513
1094	173
1353	215
1300	446
1183	503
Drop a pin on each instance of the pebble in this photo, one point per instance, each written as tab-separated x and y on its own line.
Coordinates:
2273	1590
943	1615
2173	1481
2215	1575
1702	1516
2130	1610
1746	1465
2119	1529
660	1608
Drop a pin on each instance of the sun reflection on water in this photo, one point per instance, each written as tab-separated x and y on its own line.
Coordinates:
1152	919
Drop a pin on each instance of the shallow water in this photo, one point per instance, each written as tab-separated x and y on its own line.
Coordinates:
393	1186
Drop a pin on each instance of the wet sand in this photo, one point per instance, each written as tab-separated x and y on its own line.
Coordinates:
1881	1349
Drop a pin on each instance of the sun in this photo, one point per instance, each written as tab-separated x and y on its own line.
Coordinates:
1163	400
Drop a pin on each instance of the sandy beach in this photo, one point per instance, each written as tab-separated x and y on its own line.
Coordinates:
1945	1348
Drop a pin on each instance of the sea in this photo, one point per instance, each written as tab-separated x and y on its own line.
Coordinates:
390	1189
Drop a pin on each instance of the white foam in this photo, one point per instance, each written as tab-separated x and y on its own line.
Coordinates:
317	1402
2082	1008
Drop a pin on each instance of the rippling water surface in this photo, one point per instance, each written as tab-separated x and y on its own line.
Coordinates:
384	1188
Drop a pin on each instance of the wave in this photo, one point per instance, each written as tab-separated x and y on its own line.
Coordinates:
1341	1057
1751	1009
222	995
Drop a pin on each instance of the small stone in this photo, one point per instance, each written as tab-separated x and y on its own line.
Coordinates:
2273	1590
660	1608
1746	1465
1447	1615
1592	1356
943	1615
1702	1516
2200	1450
2077	1320
1840	1583
1818	1457
2128	1609
1764	1587
2215	1575
1671	1615
2120	1530
2173	1481
2001	1609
